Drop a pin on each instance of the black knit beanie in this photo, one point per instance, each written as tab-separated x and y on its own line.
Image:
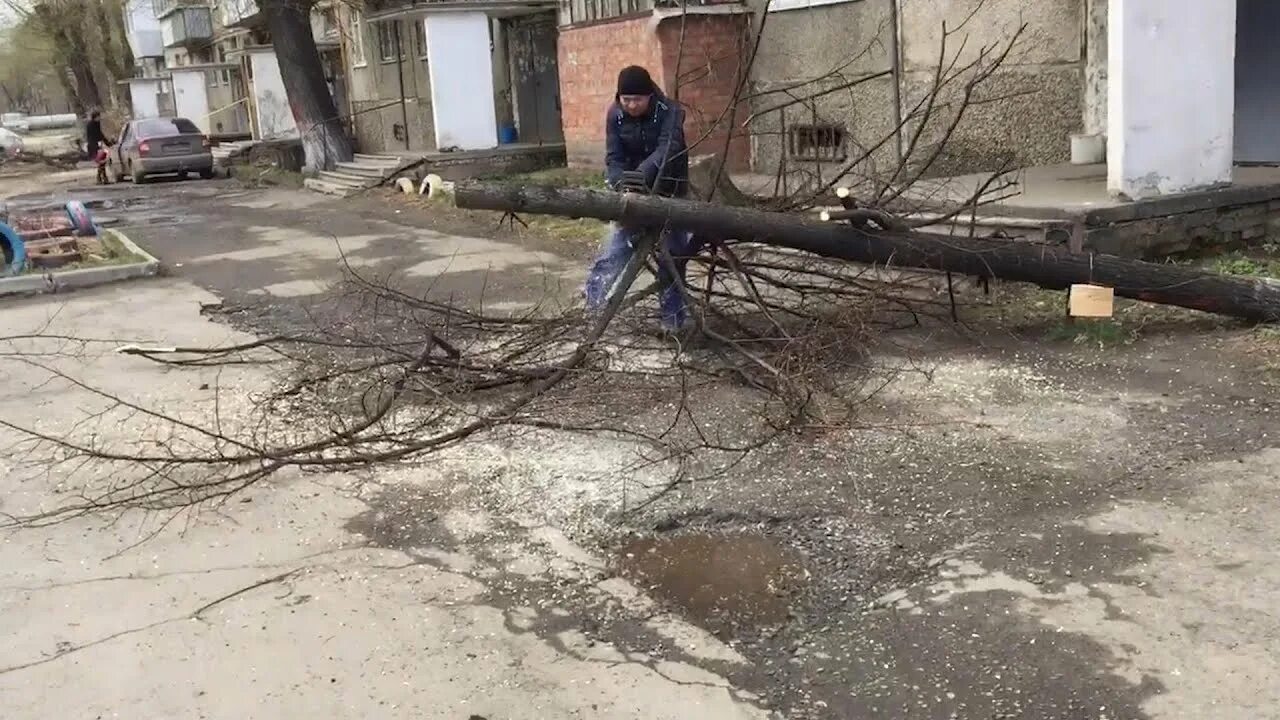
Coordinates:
635	80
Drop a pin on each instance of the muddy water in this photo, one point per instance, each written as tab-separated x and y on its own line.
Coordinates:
720	580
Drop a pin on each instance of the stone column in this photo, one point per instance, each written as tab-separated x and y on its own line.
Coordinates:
1095	68
1171	95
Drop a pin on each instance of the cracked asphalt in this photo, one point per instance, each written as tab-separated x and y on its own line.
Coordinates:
1023	530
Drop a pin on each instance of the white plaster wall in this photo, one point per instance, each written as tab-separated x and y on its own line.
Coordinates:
275	118
1052	32
1171	95
461	68
1095	68
142	29
142	94
190	97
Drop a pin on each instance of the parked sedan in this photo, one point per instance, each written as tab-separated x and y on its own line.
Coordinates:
161	146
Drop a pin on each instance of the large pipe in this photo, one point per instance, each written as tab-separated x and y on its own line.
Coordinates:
52	122
26	123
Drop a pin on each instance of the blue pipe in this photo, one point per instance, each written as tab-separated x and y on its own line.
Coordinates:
13	252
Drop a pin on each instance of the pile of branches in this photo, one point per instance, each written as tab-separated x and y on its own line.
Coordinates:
779	347
400	377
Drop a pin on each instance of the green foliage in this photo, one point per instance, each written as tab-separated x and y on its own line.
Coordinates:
1102	333
556	177
1241	264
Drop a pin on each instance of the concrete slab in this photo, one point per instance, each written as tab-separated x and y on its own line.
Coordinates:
287	609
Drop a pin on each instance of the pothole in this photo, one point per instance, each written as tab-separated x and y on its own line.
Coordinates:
721	580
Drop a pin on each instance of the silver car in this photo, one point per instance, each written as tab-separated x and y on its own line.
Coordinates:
161	146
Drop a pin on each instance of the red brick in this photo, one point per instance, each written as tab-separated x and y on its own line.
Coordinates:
709	66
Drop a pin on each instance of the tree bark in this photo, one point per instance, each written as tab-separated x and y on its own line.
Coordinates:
116	12
111	58
324	140
1047	266
68	87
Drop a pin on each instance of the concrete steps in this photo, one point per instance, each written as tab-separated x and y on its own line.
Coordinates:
364	171
341	178
379	159
327	188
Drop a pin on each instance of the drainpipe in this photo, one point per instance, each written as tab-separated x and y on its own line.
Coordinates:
897	79
404	111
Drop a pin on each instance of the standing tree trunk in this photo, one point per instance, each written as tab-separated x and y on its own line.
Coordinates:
68	87
111	57
324	141
115	12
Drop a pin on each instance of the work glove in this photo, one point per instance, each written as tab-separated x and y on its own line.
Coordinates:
633	181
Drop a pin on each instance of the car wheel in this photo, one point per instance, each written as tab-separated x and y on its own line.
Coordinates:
138	175
207	174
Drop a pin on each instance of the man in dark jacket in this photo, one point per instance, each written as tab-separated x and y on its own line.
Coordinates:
93	134
644	137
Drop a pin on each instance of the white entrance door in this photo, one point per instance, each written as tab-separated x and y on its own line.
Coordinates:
460	61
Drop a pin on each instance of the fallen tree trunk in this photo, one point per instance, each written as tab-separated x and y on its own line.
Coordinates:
1050	267
62	161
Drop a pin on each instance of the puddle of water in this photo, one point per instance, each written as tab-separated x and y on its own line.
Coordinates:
718	579
115	203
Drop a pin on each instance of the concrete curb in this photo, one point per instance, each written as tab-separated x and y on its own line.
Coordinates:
59	281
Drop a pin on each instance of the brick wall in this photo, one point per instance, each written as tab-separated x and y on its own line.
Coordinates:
714	48
590	57
589	60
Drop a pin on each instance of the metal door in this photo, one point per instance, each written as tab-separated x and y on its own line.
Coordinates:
1257	82
537	79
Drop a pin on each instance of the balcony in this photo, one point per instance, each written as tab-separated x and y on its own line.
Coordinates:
186	27
239	13
163	8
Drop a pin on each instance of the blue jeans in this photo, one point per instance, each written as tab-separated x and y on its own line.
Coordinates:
613	258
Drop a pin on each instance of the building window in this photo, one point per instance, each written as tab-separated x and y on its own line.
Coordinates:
388	36
420	39
328	22
816	142
226	77
357	39
583	11
212	76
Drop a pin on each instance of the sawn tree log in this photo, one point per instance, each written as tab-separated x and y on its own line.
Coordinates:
1049	267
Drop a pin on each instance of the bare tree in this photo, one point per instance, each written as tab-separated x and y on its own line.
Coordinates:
30	80
63	21
89	51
